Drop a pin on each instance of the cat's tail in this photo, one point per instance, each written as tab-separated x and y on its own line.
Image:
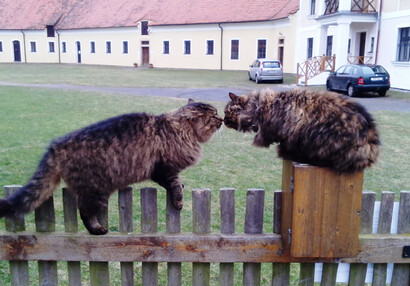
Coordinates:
40	187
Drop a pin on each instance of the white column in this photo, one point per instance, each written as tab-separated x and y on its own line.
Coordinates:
341	43
320	47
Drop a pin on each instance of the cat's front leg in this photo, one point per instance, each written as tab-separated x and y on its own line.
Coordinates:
171	183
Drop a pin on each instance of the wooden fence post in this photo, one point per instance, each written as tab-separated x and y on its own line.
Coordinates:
149	224
71	225
45	222
201	223
18	269
173	222
401	272
255	202
227	202
126	222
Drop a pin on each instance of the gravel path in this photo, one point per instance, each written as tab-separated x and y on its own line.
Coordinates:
214	94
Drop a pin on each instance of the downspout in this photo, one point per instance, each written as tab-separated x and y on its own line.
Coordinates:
379	22
24	46
59	48
222	37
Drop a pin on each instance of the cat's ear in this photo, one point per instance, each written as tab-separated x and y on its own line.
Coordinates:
191	101
233	97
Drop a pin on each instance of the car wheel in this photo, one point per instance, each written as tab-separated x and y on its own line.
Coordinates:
382	92
257	80
281	81
350	91
328	86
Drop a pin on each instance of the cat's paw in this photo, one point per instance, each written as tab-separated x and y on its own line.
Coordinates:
98	230
178	201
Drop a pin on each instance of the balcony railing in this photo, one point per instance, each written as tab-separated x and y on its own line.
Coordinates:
361	6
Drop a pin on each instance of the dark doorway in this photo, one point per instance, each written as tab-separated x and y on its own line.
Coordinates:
145	56
17	51
280	55
78	45
329	46
362	47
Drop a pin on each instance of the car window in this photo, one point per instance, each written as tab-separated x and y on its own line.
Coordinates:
355	71
271	64
340	70
379	69
347	70
367	71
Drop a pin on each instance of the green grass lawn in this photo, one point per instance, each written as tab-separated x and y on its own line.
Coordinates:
31	117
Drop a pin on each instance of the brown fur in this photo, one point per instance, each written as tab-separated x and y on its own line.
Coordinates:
319	128
114	153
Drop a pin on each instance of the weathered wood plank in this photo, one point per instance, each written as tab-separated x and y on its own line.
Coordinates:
45	222
173	222
161	247
329	273
126	226
358	271
201	224
307	273
18	269
401	272
227	202
255	202
71	225
385	220
149	224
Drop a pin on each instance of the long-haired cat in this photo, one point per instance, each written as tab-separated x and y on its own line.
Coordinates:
101	158
318	128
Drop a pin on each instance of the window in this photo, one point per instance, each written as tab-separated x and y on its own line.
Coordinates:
145	43
92	47
349	43
312	7
209	47
329	46
51	48
261	49
108	47
234	49
125	47
403	48
165	47
187	47
33	47
64	47
144	28
309	48
1	46
371	45
50	31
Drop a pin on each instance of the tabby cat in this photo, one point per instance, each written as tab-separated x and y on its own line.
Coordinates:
318	128
114	153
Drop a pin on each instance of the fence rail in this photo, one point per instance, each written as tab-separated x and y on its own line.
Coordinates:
201	247
314	66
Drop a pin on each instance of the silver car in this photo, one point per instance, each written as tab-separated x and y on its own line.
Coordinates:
266	70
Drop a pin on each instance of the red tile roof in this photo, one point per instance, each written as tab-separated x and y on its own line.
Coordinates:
77	14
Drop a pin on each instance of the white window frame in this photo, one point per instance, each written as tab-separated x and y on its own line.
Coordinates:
190	47
230	49
257	48
213	47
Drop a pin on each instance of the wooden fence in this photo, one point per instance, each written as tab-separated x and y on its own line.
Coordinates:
201	247
314	66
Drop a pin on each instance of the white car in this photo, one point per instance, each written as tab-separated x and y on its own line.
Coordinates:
262	69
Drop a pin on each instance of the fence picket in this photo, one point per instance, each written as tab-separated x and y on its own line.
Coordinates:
173	222
307	273
99	271
126	221
385	220
401	272
18	269
280	271
201	223
71	225
358	270
255	202
227	202
149	224
329	273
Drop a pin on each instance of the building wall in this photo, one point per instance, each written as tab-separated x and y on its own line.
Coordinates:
42	52
6	38
100	37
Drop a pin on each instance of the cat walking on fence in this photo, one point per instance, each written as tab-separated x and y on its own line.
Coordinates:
318	128
106	156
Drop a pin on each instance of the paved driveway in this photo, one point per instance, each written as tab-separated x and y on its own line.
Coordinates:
216	94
